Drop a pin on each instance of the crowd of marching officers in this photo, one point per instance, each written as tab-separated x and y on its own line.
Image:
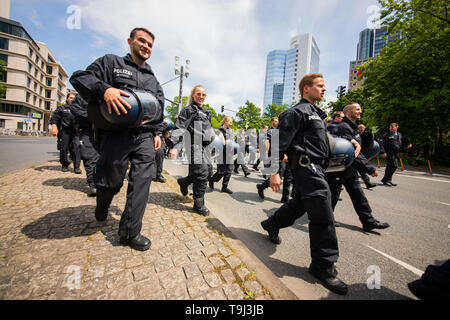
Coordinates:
301	157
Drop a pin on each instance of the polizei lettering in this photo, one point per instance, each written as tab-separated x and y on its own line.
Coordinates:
213	311
123	71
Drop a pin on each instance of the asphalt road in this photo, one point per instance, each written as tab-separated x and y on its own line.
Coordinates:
376	266
22	152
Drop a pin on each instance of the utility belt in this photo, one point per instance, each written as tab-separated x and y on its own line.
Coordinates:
296	159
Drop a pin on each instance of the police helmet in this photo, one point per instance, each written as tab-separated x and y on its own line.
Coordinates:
168	124
342	154
217	143
369	147
144	107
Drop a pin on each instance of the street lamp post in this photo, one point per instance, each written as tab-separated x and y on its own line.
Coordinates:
182	71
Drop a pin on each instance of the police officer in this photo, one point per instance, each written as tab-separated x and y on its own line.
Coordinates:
85	140
285	172
62	126
364	176
348	129
159	157
224	169
337	118
303	137
103	79
244	145
196	122
391	144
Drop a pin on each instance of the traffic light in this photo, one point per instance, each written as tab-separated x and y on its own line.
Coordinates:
223	108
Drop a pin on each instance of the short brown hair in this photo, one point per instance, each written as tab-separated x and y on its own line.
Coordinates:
133	32
308	80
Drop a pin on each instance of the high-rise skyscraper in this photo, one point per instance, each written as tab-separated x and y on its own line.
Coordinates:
285	69
370	43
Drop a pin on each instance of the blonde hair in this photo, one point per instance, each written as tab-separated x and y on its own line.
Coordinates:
191	96
227	118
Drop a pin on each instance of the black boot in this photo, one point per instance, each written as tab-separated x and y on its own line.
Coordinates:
328	277
272	230
138	242
183	187
226	190
200	208
260	191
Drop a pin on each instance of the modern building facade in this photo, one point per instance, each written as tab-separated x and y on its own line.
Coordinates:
35	81
285	69
353	82
370	44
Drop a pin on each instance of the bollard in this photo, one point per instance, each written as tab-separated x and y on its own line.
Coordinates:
401	162
429	165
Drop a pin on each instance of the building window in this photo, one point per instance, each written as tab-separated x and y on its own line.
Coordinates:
29	67
28	82
4	57
2	123
4	43
3	76
49	69
28	97
30	52
48	82
47	105
48	94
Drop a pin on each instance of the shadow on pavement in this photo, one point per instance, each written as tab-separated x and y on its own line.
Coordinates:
261	246
77	184
69	223
170	200
52	168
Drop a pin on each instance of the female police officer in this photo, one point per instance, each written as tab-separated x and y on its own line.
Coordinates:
196	121
103	79
303	137
225	168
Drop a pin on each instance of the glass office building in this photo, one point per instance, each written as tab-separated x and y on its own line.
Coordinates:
285	69
274	86
370	43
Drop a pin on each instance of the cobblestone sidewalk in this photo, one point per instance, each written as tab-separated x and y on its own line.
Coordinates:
51	246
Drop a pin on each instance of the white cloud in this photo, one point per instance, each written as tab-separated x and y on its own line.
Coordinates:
228	41
221	38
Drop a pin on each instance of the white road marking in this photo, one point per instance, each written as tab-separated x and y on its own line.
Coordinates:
443	203
403	264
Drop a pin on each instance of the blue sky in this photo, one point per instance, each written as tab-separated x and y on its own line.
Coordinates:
227	42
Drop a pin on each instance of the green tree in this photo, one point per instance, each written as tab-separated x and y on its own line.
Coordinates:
273	110
172	109
2	86
408	82
249	116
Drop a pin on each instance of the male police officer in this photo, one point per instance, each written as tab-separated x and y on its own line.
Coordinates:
303	137
103	80
62	126
348	129
391	144
337	118
85	140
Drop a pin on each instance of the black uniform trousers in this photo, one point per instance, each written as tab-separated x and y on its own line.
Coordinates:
200	171
391	166
350	179
89	152
286	174
68	144
223	171
313	196
117	149
159	161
